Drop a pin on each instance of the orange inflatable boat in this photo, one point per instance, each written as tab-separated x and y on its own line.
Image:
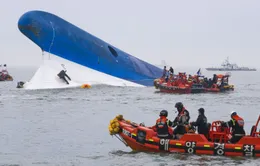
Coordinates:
141	138
193	84
157	82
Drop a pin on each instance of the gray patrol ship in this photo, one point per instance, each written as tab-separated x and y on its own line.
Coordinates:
226	66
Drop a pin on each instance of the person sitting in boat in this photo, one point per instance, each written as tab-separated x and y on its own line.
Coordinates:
237	125
63	74
162	126
181	120
201	123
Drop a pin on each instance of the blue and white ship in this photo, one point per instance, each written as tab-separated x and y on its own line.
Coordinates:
88	59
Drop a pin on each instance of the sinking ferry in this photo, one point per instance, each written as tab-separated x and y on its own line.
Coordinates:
87	59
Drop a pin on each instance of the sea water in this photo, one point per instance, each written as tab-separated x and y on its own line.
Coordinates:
69	127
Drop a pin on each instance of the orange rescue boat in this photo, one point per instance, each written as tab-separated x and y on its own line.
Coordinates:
141	138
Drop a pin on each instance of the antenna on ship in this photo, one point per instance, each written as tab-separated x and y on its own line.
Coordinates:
42	54
53	36
63	66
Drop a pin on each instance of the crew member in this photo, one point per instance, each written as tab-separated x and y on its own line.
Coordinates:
162	126
181	120
237	125
201	123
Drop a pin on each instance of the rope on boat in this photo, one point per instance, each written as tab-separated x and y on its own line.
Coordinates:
120	139
42	55
63	66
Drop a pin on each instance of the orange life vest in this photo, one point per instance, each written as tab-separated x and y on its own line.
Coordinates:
162	127
239	120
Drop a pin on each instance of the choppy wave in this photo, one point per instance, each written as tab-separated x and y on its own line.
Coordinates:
69	126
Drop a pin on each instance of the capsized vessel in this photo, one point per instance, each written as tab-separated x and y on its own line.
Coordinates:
103	62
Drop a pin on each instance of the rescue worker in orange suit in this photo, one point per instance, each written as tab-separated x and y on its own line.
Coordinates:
162	126
201	123
237	125
181	120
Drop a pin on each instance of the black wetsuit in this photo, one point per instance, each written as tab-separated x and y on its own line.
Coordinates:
62	75
202	124
171	70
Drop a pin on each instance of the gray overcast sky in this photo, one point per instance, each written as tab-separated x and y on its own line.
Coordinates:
183	33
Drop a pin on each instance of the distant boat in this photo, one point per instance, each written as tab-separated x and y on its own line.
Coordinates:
226	66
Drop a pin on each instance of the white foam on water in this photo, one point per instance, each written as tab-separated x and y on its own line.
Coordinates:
46	76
